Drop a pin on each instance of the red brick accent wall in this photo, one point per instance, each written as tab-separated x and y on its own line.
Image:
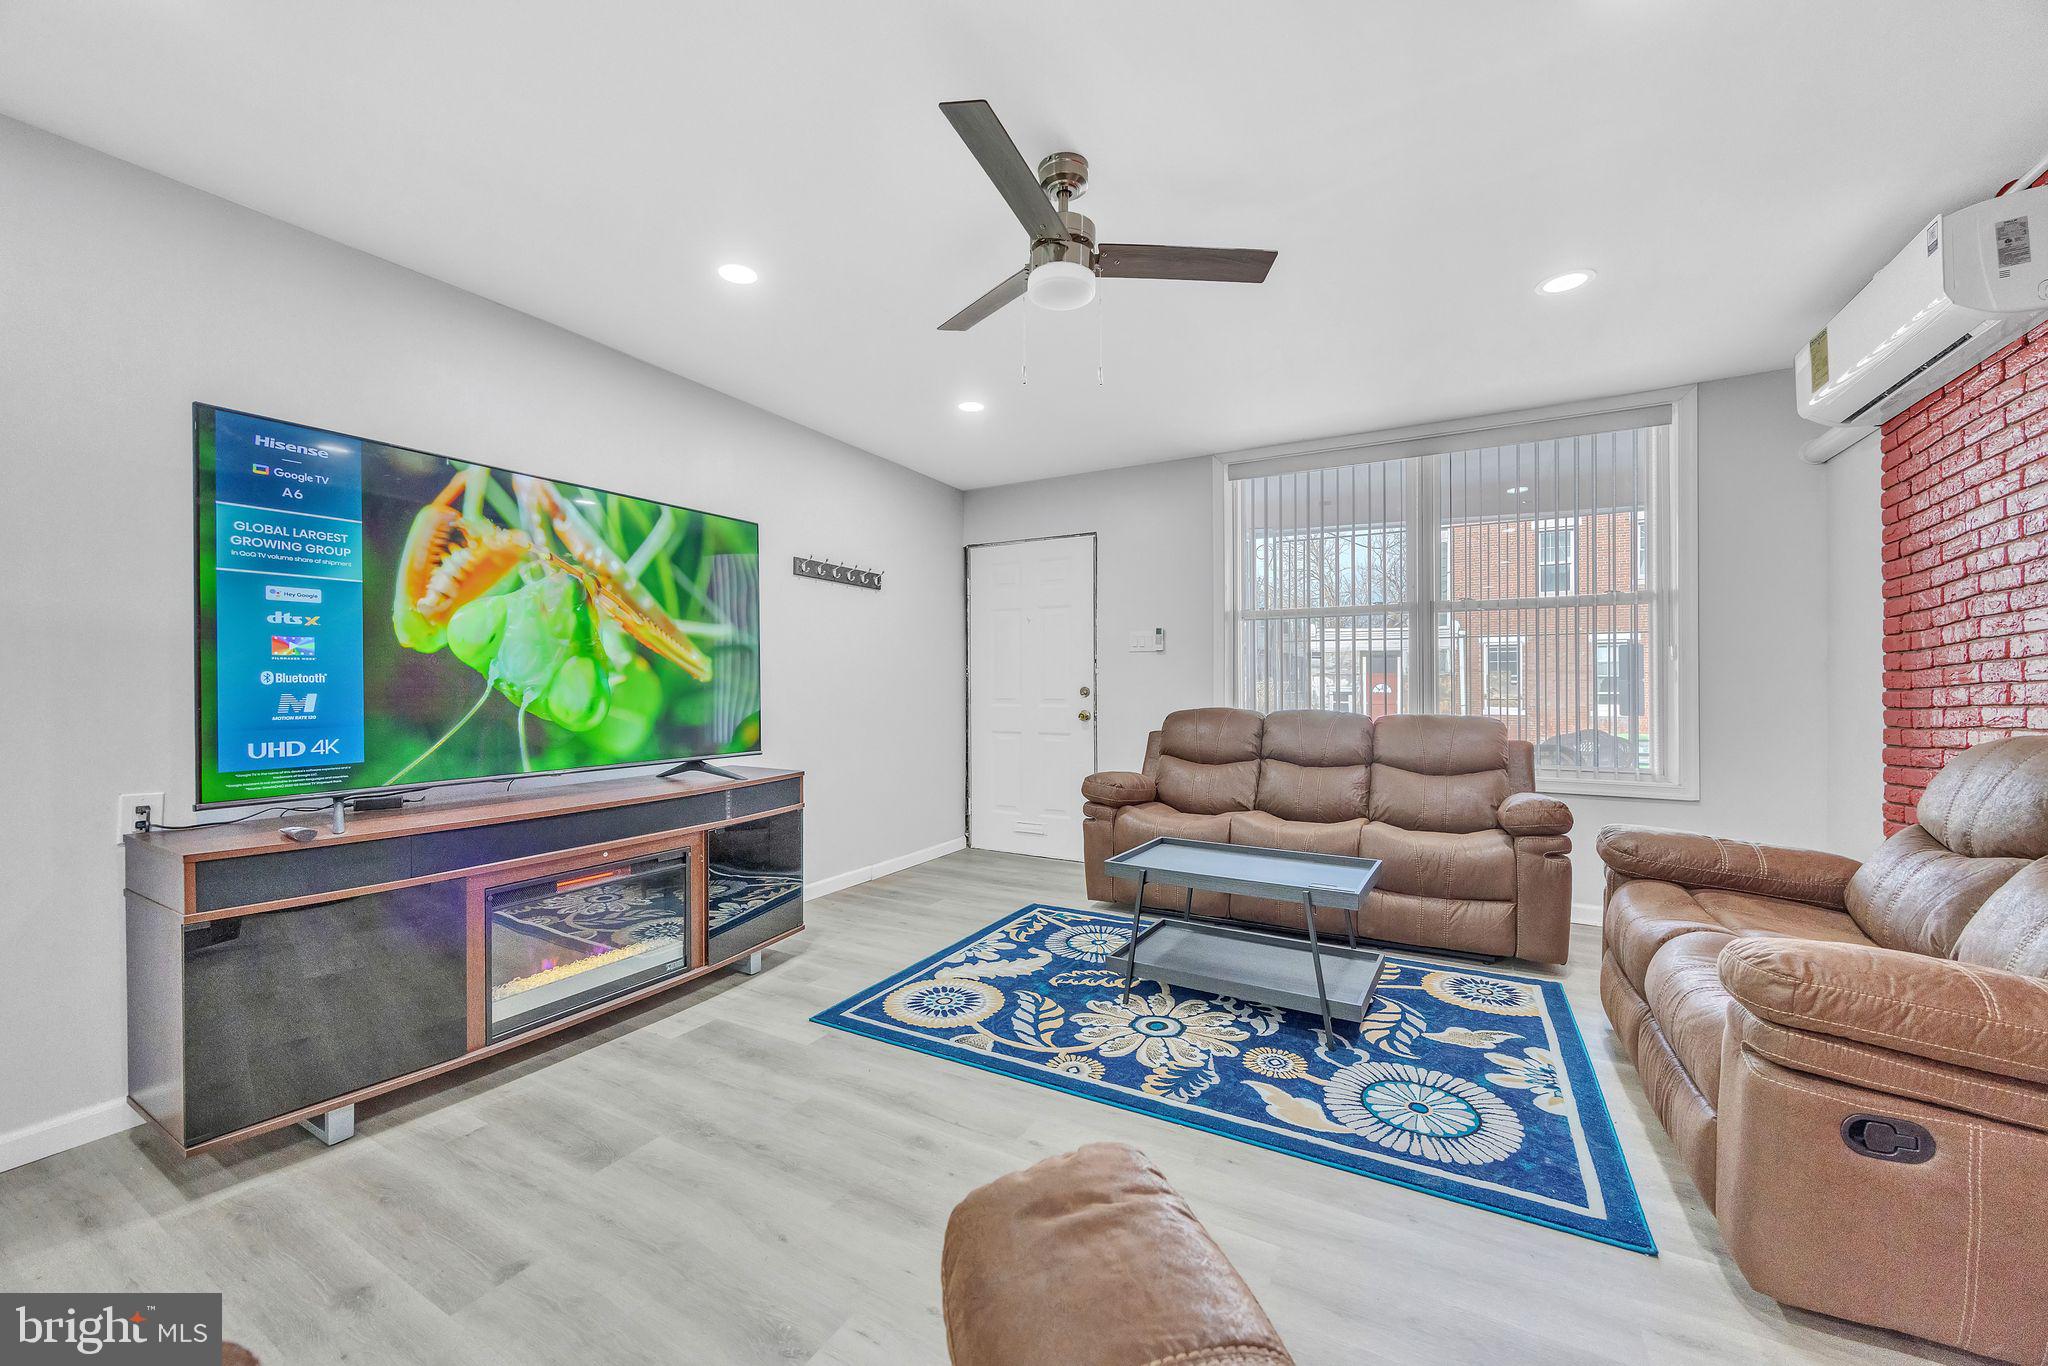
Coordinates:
1965	479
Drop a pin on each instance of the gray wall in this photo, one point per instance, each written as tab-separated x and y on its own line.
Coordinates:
1155	567
124	297
1765	697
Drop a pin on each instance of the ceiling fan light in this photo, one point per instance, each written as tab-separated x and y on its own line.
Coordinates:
1061	285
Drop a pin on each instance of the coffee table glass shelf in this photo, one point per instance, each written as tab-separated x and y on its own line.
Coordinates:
1305	974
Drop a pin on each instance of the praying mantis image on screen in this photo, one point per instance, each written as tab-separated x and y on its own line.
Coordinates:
535	595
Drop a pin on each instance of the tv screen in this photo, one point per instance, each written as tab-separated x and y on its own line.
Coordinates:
373	617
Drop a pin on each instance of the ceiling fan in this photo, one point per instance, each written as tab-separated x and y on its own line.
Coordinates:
1065	259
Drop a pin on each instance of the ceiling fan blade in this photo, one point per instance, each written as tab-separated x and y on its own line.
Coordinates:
1008	291
985	136
1237	265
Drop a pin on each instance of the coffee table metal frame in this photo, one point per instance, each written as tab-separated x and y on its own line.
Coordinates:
1330	880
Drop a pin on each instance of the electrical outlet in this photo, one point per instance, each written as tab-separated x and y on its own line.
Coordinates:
126	816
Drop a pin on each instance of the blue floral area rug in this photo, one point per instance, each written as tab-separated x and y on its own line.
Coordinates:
1466	1084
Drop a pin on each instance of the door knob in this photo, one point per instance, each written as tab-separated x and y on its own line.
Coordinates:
1082	715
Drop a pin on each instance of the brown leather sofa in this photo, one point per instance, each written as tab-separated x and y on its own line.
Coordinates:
1853	1060
1092	1259
1473	859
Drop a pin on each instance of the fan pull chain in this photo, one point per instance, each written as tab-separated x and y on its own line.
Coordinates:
1099	304
1024	366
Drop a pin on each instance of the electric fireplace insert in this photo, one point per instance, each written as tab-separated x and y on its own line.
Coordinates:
560	943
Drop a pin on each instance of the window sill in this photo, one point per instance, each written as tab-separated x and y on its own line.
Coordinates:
1638	791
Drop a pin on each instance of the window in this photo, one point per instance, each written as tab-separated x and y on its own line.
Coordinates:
1557	559
1503	677
1618	675
1503	570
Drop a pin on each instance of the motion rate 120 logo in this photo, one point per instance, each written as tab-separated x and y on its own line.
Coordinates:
169	1330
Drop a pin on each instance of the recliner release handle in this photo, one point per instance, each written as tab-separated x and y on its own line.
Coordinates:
1888	1139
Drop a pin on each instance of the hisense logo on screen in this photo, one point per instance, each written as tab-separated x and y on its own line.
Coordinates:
290	448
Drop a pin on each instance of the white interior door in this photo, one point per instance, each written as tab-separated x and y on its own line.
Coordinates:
1030	693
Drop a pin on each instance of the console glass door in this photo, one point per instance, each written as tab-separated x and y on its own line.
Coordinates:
561	943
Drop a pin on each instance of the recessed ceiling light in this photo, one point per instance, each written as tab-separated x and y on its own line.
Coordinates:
971	406
1565	283
738	274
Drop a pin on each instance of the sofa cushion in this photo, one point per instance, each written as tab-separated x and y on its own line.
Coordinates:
1208	789
1456	802
1641	917
1441	744
2010	931
1321	739
1269	831
1300	792
1474	866
1314	765
1991	801
1685	996
1212	735
1916	895
1136	824
1209	760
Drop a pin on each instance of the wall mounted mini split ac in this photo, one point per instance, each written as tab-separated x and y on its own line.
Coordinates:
1965	285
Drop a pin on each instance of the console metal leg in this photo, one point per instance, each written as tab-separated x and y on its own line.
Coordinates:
332	1127
750	965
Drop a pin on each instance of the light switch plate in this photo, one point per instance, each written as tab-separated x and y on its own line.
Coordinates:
124	812
1148	642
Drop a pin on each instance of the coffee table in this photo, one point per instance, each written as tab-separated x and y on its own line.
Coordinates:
1249	964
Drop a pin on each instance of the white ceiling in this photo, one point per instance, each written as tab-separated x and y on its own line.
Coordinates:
1733	171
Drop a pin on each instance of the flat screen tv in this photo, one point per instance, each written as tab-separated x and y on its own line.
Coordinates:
372	618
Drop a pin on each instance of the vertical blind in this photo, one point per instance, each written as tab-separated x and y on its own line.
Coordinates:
1519	580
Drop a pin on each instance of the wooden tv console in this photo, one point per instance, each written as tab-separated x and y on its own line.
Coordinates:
273	983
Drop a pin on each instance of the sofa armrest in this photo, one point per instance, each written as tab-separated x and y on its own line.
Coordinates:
1983	1019
1731	865
1119	789
1528	813
1092	1257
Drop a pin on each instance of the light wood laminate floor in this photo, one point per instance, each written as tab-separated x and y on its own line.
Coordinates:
712	1178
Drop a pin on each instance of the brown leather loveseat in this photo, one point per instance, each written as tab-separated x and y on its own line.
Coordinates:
1473	859
1853	1059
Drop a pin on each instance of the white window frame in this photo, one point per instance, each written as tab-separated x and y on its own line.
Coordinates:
1673	549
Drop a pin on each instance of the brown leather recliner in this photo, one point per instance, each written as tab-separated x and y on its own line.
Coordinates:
1092	1259
1473	859
1853	1060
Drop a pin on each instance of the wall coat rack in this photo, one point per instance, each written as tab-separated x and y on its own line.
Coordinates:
806	568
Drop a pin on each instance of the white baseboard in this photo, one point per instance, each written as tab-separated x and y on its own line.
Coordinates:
35	1142
841	881
1588	914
